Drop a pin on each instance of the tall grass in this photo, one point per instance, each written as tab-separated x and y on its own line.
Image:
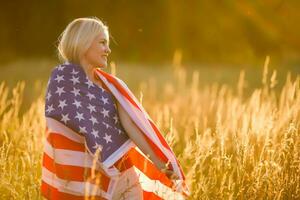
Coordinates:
20	145
231	146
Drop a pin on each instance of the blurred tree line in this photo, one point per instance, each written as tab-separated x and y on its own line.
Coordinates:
215	31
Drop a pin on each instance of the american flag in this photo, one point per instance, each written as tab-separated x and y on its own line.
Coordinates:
81	117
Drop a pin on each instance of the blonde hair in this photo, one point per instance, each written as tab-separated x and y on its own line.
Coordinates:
77	38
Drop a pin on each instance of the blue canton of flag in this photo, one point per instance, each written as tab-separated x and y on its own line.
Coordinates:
86	108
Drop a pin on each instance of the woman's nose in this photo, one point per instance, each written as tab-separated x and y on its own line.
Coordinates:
108	50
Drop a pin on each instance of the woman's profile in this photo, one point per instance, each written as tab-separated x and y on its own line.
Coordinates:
100	141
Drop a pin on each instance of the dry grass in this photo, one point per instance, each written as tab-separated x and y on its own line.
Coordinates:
230	146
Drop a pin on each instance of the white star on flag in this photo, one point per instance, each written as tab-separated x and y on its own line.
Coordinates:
119	131
89	83
95	133
75	80
105	100
50	108
106	124
59	90
74	72
98	146
77	103
94	120
62	104
61	68
116	119
107	138
48	82
65	118
91	96
82	129
48	96
105	112
75	92
91	108
79	116
59	78
103	90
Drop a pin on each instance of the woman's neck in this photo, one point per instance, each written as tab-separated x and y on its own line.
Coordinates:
89	71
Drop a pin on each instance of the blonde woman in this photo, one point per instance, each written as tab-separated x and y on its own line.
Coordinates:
94	146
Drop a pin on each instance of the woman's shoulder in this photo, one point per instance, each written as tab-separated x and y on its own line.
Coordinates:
66	71
58	76
114	77
57	69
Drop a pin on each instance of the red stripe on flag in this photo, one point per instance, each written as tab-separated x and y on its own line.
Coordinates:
161	138
74	173
135	158
59	141
118	86
150	195
157	150
154	147
52	193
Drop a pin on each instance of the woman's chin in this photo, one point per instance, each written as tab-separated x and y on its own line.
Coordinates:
102	65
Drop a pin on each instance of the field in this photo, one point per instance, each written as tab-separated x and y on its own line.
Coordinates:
237	138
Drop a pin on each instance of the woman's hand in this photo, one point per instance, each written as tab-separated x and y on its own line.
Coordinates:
164	169
170	174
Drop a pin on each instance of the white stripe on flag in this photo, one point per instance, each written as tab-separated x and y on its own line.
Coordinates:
61	129
133	97
133	182
114	157
72	187
157	187
68	157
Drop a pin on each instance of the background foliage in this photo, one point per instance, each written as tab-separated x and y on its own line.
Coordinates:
230	32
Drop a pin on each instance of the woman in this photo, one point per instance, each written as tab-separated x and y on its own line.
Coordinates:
86	123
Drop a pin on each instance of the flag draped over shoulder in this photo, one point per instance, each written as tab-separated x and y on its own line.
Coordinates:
82	118
140	117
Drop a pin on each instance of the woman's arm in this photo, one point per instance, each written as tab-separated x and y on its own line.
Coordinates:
139	139
137	136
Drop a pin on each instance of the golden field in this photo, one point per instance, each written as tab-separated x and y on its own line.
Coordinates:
231	145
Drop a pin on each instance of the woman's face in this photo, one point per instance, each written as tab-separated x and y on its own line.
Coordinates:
99	50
